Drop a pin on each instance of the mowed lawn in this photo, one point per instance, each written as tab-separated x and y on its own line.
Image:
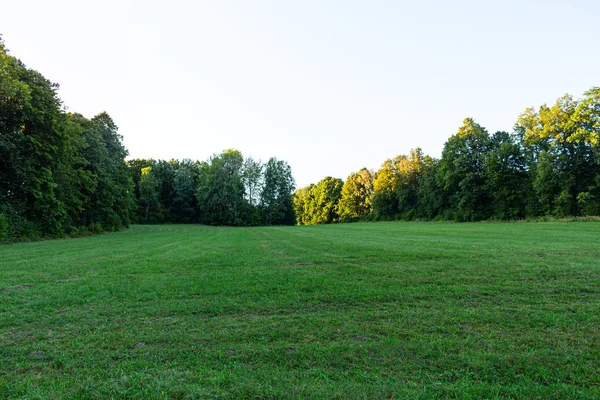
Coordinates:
368	310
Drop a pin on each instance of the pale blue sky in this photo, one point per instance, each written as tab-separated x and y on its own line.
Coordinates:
329	86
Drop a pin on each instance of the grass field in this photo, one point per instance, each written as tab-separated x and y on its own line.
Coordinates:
378	310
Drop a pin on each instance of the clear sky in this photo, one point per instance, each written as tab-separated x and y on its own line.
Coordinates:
329	86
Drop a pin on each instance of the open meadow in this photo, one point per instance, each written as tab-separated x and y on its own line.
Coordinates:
366	310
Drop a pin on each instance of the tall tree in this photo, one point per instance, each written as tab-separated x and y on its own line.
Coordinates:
73	176
220	193
150	195
165	175
560	144
301	200
276	196
587	118
323	201
506	176
112	201
385	200
184	202
407	183
135	171
59	172
252	177
462	172
396	186
357	194
432	201
30	145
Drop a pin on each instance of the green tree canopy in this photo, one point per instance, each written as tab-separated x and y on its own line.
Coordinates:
357	194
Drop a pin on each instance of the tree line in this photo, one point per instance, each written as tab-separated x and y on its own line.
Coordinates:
60	173
548	166
227	189
64	174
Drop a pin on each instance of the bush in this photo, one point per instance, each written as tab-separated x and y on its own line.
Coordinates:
26	230
96	228
4	228
15	227
588	204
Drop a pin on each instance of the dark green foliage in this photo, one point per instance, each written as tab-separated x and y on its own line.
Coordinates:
506	175
253	179
184	203
463	172
276	195
431	197
168	195
31	143
58	172
111	202
61	173
225	190
407	184
220	192
149	202
135	171
385	205
4	228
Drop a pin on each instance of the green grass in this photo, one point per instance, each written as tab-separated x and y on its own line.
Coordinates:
378	310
